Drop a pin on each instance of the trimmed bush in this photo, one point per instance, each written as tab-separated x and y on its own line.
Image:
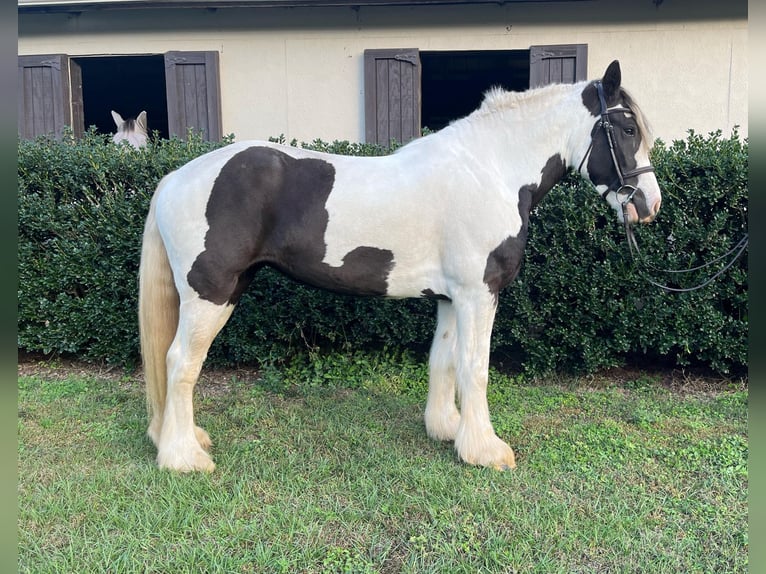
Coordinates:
579	304
81	208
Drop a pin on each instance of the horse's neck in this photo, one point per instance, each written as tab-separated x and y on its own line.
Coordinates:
536	125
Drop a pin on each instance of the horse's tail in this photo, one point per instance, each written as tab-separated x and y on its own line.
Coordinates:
158	304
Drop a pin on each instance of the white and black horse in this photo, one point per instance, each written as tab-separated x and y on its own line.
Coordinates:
133	131
445	217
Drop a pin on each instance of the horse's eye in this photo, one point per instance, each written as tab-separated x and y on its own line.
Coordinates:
630	131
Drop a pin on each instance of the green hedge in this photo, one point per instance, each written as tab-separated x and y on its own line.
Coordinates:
578	305
580	302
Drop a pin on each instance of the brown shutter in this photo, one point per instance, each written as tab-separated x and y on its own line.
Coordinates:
392	95
78	108
565	64
192	83
49	95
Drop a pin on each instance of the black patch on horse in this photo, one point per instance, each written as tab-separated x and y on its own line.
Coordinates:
431	294
601	169
504	262
268	208
591	101
612	91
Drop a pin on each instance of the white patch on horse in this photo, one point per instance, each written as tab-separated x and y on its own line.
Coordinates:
399	202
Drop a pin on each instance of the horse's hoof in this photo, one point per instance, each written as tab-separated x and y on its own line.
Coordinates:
488	451
195	461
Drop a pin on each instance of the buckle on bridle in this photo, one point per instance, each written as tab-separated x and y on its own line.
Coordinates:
608	128
733	254
624	203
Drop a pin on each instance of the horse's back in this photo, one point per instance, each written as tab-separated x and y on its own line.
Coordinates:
389	225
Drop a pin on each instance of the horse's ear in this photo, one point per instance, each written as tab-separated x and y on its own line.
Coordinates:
611	81
117	119
141	121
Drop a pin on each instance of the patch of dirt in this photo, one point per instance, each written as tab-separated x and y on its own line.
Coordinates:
211	382
678	380
57	368
215	381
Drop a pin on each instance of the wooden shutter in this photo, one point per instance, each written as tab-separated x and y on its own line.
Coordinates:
565	64
192	83
75	92
49	95
392	95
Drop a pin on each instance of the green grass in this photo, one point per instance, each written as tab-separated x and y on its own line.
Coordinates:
324	466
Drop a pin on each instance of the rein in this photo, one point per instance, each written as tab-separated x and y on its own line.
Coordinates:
635	252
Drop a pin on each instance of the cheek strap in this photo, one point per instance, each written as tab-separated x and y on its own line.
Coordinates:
608	128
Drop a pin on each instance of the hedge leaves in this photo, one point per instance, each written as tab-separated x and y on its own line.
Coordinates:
579	303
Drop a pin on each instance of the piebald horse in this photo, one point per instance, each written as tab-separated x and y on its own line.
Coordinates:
132	131
445	216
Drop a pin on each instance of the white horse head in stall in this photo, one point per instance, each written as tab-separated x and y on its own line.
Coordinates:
131	130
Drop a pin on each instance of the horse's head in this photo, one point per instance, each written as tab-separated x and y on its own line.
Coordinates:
617	158
132	131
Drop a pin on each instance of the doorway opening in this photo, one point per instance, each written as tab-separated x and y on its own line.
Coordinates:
453	82
127	85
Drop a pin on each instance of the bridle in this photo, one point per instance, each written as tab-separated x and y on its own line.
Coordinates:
623	175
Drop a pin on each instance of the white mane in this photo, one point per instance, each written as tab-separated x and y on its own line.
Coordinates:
496	99
537	101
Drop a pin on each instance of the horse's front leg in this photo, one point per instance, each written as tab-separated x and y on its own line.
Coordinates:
476	441
442	417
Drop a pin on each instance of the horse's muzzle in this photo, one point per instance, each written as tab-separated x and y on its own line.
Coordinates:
653	211
636	208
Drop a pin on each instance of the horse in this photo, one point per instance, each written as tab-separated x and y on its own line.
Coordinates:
132	131
444	217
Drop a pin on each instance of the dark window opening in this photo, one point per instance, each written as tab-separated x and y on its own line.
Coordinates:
453	82
127	85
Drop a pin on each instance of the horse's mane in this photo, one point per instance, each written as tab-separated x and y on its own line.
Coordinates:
643	125
496	99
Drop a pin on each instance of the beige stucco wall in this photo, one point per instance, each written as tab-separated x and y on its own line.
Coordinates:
299	72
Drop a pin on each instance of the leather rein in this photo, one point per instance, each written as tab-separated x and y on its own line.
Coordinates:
622	175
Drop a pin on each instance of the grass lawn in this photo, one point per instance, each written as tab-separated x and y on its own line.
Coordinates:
325	466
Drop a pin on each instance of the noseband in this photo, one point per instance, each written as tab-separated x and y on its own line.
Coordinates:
622	175
732	255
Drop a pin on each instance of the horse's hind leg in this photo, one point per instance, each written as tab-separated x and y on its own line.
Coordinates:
442	417
182	445
476	441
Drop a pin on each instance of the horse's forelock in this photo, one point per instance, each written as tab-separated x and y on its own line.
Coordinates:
643	125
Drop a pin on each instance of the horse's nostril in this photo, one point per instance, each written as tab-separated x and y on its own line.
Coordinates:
656	207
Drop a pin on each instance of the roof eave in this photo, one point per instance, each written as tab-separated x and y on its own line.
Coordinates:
50	6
